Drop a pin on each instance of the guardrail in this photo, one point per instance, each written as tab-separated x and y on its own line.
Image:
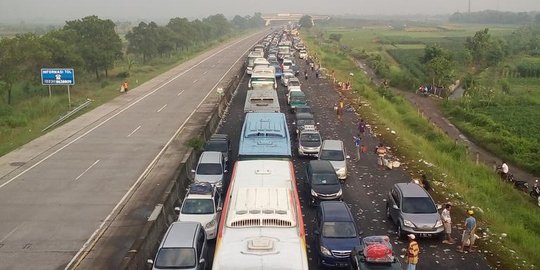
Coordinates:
69	114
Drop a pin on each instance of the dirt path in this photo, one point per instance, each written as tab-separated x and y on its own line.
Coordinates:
429	108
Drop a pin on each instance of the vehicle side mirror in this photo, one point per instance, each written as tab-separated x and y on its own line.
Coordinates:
395	206
201	261
294	123
192	171
225	171
316	232
439	207
150	261
219	208
177	210
360	233
348	157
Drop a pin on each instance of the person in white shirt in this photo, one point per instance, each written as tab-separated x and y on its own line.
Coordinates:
504	168
447	223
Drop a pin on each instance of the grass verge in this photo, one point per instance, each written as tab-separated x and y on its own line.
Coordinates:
499	207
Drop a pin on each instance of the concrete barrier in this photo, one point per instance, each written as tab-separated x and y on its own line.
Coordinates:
146	245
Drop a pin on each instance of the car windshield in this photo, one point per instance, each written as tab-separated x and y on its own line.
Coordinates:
332	155
341	229
310	137
175	258
418	205
305	122
209	169
198	207
216	146
325	179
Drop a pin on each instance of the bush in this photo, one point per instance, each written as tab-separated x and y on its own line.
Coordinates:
123	74
105	83
196	143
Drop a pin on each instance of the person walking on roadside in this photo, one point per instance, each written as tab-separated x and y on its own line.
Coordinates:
357	144
362	127
381	152
468	233
305	74
447	223
412	253
125	86
425	183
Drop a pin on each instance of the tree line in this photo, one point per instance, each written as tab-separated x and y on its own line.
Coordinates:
92	46
494	17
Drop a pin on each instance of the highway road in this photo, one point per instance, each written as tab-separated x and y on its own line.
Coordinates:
57	192
366	188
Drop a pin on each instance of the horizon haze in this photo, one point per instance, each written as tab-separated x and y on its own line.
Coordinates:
58	11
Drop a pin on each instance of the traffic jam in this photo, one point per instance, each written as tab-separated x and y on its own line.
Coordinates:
294	178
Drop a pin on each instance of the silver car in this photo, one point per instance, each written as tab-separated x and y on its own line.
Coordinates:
334	151
210	168
413	210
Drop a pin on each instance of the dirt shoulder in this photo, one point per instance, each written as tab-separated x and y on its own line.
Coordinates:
429	107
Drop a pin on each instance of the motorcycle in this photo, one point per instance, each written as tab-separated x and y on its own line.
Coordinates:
518	184
535	192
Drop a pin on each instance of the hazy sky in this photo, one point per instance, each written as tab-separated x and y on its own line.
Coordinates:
60	10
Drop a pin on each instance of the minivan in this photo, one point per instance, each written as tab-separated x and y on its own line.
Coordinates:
183	247
336	234
322	182
210	168
334	151
413	211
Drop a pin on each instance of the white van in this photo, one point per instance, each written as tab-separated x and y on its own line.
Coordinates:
261	101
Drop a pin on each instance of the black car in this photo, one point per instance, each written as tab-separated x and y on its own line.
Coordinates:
303	109
322	182
219	143
375	253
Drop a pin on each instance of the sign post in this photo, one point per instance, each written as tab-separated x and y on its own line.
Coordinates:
58	76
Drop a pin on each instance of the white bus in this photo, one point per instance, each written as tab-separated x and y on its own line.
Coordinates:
261	223
261	101
263	78
251	60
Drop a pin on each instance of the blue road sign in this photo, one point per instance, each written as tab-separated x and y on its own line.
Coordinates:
57	76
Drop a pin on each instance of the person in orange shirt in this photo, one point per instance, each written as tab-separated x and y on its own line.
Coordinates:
412	253
125	86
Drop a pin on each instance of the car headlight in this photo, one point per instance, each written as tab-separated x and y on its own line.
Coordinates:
325	251
341	171
210	224
438	223
339	192
314	194
408	223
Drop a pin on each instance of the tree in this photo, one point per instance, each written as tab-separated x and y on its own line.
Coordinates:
9	66
478	44
182	32
256	20
142	40
97	42
239	22
431	52
438	65
306	21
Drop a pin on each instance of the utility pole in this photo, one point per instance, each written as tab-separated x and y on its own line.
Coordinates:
469	6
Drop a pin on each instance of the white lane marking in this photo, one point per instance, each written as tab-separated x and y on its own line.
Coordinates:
85	171
204	73
195	81
116	114
133	132
181	92
161	109
93	239
9	234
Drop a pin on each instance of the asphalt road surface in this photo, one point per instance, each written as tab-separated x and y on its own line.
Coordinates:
54	202
366	187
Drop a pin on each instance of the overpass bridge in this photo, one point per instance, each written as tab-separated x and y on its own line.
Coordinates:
291	17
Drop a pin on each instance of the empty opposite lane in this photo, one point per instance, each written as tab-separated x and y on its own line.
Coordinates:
55	204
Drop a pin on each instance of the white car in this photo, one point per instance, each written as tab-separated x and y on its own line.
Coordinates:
293	85
202	204
302	54
286	76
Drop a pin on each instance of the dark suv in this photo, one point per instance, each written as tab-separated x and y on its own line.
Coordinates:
219	143
322	182
413	210
336	234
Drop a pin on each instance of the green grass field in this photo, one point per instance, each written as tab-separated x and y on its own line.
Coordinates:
32	110
504	210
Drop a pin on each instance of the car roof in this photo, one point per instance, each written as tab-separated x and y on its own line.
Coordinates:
201	188
321	166
211	157
219	136
332	145
335	211
411	190
181	234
